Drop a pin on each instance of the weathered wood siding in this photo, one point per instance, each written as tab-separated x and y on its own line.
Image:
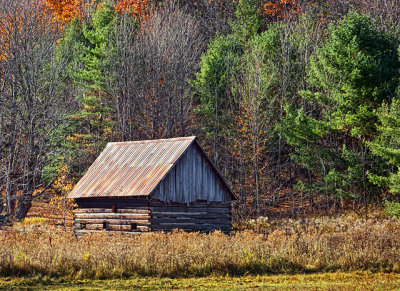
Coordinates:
191	179
118	215
193	217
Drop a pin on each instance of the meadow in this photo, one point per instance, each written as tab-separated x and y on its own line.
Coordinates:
344	243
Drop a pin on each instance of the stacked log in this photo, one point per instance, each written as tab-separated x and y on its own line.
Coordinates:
132	220
193	217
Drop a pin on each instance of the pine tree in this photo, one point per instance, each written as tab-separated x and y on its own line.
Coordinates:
354	71
247	20
89	126
212	85
387	146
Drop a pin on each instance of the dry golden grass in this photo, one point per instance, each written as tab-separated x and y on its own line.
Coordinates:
344	243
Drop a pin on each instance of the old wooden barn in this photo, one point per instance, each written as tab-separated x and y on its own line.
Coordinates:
152	185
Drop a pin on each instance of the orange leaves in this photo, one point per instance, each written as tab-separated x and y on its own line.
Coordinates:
138	8
3	44
21	22
75	137
64	10
280	9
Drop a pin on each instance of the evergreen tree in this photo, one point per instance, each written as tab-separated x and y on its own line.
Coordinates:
92	59
212	85
247	21
88	126
354	71
386	145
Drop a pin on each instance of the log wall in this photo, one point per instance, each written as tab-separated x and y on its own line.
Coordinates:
193	217
141	215
117	215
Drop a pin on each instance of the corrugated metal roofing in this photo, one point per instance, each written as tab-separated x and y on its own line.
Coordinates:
130	168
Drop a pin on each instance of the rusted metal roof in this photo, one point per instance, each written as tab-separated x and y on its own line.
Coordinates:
130	168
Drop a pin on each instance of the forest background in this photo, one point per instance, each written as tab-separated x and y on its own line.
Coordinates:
294	101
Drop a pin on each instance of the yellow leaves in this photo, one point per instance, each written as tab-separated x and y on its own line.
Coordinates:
19	257
108	130
62	185
74	137
30	221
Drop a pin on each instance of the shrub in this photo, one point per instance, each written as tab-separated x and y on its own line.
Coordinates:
392	209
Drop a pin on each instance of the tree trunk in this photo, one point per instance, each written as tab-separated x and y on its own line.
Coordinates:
24	204
10	187
1	204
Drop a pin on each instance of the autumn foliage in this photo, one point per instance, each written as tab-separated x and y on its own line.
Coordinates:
280	9
64	10
16	20
138	8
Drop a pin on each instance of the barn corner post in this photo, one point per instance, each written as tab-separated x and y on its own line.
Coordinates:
152	185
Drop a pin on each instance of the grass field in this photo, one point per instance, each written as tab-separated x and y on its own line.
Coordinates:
341	244
322	253
325	281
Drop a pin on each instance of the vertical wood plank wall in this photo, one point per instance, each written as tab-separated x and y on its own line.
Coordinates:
191	179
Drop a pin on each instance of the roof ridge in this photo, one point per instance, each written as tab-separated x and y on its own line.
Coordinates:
154	140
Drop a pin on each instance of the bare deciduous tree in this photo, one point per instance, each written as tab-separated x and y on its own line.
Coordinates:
152	66
29	104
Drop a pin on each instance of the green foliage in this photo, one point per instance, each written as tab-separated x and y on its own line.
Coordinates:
263	51
85	48
90	61
337	172
354	72
65	149
220	63
247	21
259	70
303	133
387	146
218	66
392	209
266	42
92	53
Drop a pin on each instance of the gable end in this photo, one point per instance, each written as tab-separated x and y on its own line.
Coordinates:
193	177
